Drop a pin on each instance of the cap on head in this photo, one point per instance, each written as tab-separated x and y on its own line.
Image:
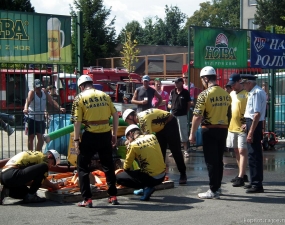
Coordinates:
146	78
55	156
84	78
246	77
126	113
207	71
179	79
234	77
37	83
130	128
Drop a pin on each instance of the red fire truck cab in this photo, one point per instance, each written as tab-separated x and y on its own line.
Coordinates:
102	75
15	85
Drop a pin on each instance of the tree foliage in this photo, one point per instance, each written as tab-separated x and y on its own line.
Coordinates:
172	25
158	31
135	29
99	38
129	53
218	13
17	5
269	13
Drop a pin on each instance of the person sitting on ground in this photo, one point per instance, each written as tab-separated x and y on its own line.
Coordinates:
28	167
146	150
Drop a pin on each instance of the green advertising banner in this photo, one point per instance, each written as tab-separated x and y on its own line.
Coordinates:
220	48
35	38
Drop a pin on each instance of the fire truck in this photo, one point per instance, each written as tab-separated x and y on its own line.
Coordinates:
106	76
15	85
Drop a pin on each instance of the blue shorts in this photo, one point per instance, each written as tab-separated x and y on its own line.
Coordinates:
36	127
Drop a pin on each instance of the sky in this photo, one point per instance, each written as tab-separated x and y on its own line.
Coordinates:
124	10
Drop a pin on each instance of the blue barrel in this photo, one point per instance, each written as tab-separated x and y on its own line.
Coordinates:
60	144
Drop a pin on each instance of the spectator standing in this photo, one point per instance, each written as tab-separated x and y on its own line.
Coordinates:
149	157
50	108
52	91
212	111
34	110
167	132
236	136
185	86
180	104
254	115
94	108
164	95
143	95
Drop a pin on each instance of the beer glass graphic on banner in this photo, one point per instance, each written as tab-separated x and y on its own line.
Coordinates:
55	40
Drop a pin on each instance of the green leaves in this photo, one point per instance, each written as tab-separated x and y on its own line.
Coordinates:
270	13
129	53
221	13
99	37
17	5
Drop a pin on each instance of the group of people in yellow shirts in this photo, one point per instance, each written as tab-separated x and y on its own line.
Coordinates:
233	120
228	120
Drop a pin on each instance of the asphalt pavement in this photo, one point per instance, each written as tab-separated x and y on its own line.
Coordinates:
179	205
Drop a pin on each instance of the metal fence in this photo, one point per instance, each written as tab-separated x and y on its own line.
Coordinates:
15	83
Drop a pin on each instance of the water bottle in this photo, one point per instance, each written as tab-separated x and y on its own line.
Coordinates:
26	128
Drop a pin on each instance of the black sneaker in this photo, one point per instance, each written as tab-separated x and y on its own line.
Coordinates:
245	178
33	198
255	190
234	179
239	182
183	179
248	186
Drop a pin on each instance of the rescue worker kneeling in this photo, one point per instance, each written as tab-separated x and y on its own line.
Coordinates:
146	150
28	168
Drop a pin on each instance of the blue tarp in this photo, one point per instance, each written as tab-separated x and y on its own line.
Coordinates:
60	144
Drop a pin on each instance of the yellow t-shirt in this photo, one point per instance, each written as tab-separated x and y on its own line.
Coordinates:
213	104
93	105
26	159
146	150
152	120
238	109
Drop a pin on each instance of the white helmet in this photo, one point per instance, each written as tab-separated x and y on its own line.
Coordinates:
131	127
55	155
84	78
127	113
207	70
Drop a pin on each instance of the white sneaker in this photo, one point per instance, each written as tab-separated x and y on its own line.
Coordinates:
209	195
186	154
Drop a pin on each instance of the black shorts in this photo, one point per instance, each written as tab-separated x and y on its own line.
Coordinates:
36	127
